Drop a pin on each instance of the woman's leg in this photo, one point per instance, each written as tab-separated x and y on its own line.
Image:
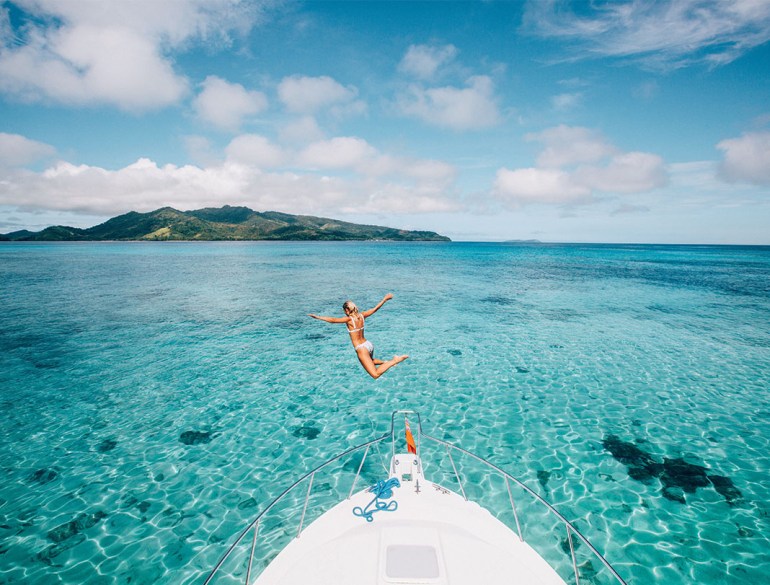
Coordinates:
371	368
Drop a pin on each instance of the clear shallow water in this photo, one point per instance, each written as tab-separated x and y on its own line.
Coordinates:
155	396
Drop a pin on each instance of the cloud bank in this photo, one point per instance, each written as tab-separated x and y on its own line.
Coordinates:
574	165
112	52
337	176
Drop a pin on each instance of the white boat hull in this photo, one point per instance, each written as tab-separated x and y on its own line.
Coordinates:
434	537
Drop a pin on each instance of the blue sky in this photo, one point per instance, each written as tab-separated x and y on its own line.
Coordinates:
560	121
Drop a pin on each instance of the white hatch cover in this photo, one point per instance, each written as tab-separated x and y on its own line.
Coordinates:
411	562
411	554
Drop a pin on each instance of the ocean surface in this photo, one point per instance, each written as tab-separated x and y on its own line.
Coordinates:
155	396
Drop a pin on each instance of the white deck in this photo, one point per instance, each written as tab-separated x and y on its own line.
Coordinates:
434	537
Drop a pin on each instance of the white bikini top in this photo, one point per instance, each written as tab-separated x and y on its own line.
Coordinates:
353	322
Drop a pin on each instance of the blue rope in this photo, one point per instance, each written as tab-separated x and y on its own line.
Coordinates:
382	489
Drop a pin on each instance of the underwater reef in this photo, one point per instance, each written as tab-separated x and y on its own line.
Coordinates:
677	476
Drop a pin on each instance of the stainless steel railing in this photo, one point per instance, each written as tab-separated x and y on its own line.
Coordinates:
254	525
570	528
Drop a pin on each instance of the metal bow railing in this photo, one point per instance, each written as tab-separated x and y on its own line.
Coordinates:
253	527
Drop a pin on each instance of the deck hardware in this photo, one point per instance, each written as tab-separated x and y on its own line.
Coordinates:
572	551
513	506
360	466
457	475
382	489
307	497
251	556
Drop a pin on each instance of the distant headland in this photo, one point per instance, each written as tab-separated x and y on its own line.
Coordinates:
224	223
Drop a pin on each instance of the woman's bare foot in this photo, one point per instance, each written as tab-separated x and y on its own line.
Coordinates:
399	358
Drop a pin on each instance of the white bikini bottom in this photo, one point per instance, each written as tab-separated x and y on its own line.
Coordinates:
366	345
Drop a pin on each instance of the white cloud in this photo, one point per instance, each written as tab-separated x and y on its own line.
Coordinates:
17	151
309	95
532	185
301	130
433	172
670	33
469	108
570	145
368	182
343	152
111	51
87	65
575	165
225	104
747	159
423	61
355	154
631	172
252	149
566	101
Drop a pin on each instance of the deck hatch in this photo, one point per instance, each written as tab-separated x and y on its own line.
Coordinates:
411	562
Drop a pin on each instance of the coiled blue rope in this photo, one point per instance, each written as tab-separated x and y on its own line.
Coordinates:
382	489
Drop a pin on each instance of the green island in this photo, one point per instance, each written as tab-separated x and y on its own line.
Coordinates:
224	223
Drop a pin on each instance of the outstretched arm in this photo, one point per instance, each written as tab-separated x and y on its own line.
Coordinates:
329	319
372	311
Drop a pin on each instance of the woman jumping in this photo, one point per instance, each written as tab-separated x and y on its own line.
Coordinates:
364	349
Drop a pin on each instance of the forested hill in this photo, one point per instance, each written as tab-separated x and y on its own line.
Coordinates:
224	223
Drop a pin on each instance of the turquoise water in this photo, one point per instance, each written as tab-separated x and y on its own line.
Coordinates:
155	396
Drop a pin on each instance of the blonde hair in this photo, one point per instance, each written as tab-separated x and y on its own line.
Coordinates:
350	308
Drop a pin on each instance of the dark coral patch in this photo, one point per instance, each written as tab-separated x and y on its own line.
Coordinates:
726	488
44	475
455	352
522	370
677	476
74	527
543	477
673	493
51	552
106	445
641	466
195	437
678	473
308	432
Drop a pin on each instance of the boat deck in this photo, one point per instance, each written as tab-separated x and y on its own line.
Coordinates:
434	537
